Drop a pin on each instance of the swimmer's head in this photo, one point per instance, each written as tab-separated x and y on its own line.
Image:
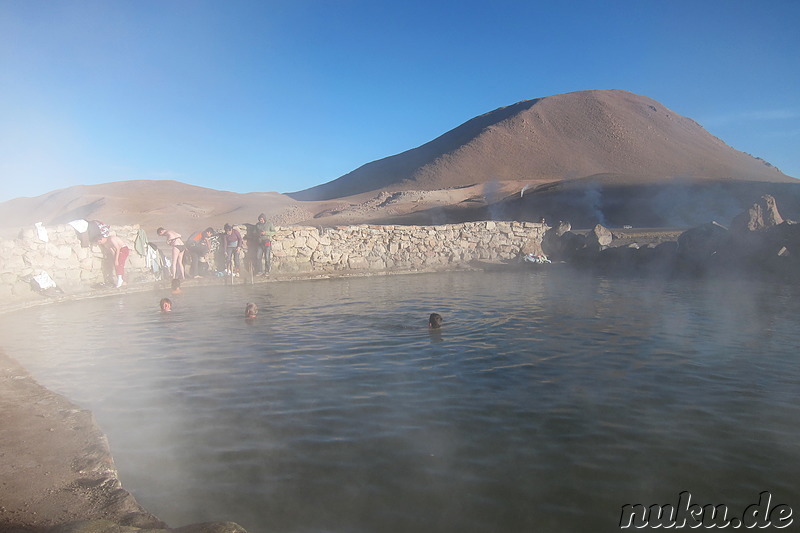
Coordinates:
251	310
165	304
435	321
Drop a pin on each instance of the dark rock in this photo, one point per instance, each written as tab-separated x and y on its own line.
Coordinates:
619	260
788	235
561	228
698	246
571	245
561	246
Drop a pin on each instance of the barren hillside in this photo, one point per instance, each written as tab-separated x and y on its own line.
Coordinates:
590	157
566	136
172	204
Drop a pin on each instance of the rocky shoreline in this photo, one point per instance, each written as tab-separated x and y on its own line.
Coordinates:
56	470
758	244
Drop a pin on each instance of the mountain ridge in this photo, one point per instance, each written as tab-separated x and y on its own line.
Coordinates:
564	136
569	156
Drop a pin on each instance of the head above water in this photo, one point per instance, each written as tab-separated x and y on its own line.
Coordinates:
435	321
165	304
251	310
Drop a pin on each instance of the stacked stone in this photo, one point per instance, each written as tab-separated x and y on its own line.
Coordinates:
295	250
62	257
375	248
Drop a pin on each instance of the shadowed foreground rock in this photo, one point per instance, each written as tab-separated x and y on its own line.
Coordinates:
56	470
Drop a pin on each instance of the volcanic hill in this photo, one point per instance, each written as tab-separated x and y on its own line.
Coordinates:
601	156
555	138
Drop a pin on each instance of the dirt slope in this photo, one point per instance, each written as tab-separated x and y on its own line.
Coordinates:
558	137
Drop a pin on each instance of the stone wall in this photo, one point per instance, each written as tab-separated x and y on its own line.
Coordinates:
295	250
403	248
62	257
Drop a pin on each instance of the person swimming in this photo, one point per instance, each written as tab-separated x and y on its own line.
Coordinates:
251	310
435	321
165	304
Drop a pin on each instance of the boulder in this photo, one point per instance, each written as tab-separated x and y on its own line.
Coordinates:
561	228
698	246
788	235
599	237
761	215
562	247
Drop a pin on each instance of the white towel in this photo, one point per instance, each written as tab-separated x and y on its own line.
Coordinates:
42	232
80	225
44	280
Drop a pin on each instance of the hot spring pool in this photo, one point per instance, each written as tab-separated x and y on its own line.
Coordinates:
547	402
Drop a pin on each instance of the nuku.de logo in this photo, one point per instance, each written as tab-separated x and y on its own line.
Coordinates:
687	514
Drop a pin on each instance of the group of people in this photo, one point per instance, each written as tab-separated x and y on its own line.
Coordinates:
204	246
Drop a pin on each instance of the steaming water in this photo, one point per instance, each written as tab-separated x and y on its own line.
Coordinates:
547	402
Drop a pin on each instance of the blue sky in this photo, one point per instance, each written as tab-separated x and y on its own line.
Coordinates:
284	95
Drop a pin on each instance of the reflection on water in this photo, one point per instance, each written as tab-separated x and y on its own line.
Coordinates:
546	402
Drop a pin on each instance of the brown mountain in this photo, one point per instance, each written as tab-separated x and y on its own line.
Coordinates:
589	157
172	204
560	137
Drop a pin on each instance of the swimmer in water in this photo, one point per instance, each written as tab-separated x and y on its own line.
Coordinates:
251	310
166	305
435	321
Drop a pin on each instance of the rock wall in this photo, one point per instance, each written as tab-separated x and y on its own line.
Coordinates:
75	268
403	248
72	266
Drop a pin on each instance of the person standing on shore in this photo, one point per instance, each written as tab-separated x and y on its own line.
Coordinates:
119	252
178	249
231	243
265	231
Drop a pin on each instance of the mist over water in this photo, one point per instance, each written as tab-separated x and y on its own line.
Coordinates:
548	400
